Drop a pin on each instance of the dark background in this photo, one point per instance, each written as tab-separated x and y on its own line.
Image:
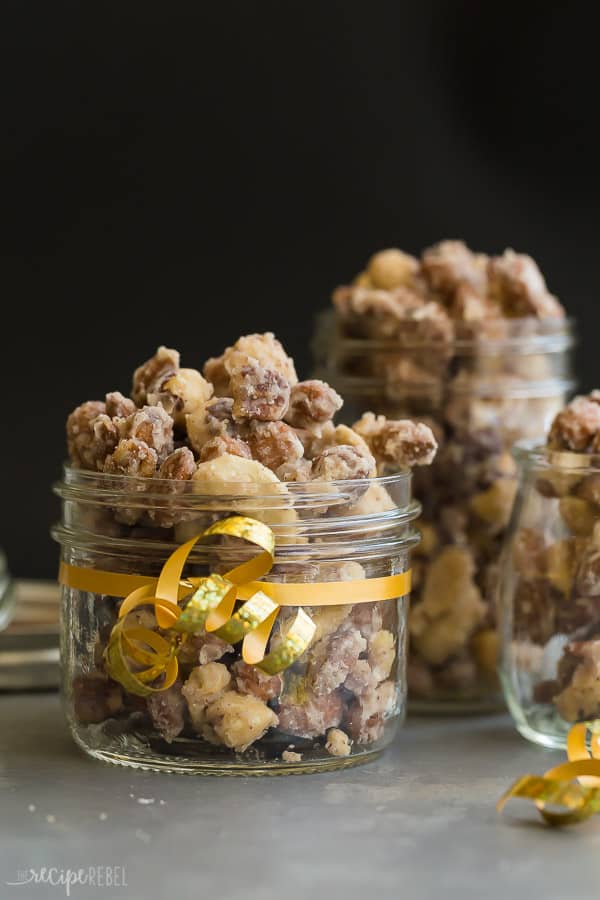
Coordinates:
183	173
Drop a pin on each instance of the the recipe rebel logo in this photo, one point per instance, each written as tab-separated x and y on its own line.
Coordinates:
108	877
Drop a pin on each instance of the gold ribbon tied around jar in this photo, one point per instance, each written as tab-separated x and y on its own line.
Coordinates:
574	785
138	656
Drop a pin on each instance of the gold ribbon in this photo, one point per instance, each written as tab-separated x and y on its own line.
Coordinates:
136	655
574	785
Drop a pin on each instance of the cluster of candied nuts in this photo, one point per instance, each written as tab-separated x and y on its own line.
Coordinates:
248	420
557	595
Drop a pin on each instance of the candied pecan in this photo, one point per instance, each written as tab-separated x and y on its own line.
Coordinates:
332	659
132	457
250	680
215	420
152	374
215	372
368	312
575	427
315	440
205	684
578	515
299	470
397	442
86	450
342	463
221	444
382	653
534	610
428	324
579	680
589	489
95	698
518	285
166	710
587	578
494	505
312	402
179	465
338	743
259	393
471	308
237	720
450	264
391	268
264	349
305	715
367	617
153	426
562	561
274	443
529	549
367	713
185	393
118	405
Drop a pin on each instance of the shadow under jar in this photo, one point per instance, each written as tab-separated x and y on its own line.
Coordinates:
550	595
480	393
338	705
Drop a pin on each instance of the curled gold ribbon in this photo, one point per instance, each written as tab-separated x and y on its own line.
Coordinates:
145	661
574	785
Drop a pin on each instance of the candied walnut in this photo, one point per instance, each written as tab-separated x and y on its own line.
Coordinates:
399	443
312	402
332	659
185	393
215	372
305	715
259	393
367	617
179	465
429	540
342	463
554	483
578	515
382	653
274	444
95	698
485	650
588	570
119	406
327	619
529	551
215	420
373	313
317	439
494	505
392	268
574	614
575	427
517	284
166	709
291	757
450	265
299	470
338	743
238	720
589	489
88	450
205	685
152	374
264	349
153	426
367	713
579	680
562	560
451	607
222	444
251	680
470	307
203	648
429	324
132	457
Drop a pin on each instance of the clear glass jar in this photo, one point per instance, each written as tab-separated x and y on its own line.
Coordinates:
338	705
549	608
495	383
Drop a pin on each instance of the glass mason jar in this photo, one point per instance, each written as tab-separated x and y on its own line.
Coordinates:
479	393
550	595
338	704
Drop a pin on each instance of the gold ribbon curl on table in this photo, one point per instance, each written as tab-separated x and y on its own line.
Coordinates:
574	785
137	656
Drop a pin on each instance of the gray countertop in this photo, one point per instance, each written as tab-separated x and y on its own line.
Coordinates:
418	823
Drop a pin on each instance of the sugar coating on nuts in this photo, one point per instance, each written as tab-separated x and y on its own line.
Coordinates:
258	393
338	743
152	374
312	402
401	443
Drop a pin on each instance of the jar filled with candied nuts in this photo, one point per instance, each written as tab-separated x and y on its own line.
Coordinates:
235	573
478	350
550	586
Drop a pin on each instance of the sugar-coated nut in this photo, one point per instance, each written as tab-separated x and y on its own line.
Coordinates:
485	650
494	505
212	475
375	499
451	607
118	406
399	443
215	420
535	605
382	653
588	570
205	685
299	470
218	446
251	680
153	426
132	457
589	489
578	515
215	372
429	540
575	427
238	720
376	313
315	440
166	709
258	393
95	698
562	560
554	483
312	402
338	743
368	712
202	648
341	463
85	449
305	715
389	269
517	284
367	617
264	349
450	264
332	659
291	756
327	619
529	552
274	444
152	374
362	280
179	465
343	435
579	678
185	393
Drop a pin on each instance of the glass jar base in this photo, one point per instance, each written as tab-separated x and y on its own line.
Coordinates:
542	725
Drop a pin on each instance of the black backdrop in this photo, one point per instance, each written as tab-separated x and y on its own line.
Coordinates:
182	173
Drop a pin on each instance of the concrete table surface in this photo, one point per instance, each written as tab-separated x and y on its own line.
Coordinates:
418	823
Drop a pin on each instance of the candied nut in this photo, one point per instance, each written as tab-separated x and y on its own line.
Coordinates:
399	443
429	540
259	393
119	406
299	470
451	607
579	678
251	680
291	757
153	426
589	489
562	560
554	483
392	268
575	427
450	264
179	465
312	402
517	284
222	444
382	653
332	659
215	420
185	393
132	457
342	463
578	515
95	698
588	571
375	313
274	444
238	720
485	650
88	450
317	439
367	617
338	743
264	349
152	374
470	307
305	715
495	504
367	713
375	499
166	709
529	552
215	372
203	648
362	280
458	674
205	685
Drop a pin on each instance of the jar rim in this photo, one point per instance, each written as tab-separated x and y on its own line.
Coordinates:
531	453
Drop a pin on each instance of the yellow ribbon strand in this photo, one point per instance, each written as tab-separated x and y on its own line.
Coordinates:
573	785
